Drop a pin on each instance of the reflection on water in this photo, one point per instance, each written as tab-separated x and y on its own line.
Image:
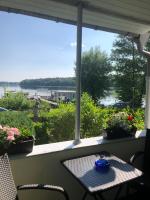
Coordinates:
38	91
109	100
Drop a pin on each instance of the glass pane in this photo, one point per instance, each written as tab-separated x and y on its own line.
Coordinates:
37	60
113	85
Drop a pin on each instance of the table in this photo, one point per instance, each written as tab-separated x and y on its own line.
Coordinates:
96	182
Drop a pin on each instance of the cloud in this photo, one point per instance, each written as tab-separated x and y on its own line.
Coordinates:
74	44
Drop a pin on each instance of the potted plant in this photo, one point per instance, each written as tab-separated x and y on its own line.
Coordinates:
120	125
12	140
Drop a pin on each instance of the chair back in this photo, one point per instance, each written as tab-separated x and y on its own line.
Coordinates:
7	186
147	152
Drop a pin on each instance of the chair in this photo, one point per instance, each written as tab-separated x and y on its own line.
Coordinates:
143	184
8	190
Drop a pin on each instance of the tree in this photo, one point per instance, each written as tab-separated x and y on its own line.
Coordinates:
129	71
48	82
95	73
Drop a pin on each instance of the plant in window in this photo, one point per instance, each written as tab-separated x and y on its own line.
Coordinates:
13	141
7	136
120	125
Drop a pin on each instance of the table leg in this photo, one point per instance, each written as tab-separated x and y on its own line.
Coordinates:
101	196
118	192
95	197
84	196
127	189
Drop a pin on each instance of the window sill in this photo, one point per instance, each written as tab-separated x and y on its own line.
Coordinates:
67	145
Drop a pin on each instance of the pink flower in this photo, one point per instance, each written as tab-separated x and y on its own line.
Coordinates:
15	131
10	133
1	128
10	138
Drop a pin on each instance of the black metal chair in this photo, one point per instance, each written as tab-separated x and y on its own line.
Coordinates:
8	190
143	184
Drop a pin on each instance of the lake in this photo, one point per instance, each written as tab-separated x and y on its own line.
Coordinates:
109	100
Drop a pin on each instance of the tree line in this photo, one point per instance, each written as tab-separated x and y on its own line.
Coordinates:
48	82
124	70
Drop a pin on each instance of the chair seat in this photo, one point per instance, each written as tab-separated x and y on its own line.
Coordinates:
135	196
142	188
8	189
144	181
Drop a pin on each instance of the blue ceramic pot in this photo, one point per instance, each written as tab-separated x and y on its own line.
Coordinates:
102	165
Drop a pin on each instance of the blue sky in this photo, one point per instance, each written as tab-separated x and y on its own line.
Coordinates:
37	48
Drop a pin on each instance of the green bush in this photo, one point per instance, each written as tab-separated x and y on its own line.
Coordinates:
139	118
19	120
16	101
41	133
60	123
93	118
90	117
45	106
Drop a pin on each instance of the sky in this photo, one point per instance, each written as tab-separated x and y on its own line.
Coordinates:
37	48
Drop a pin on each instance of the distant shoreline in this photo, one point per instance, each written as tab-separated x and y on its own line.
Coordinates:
6	84
48	83
38	87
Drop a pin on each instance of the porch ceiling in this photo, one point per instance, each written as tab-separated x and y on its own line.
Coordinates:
126	16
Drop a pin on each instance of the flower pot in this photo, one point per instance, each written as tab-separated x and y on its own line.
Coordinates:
22	146
119	132
2	151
